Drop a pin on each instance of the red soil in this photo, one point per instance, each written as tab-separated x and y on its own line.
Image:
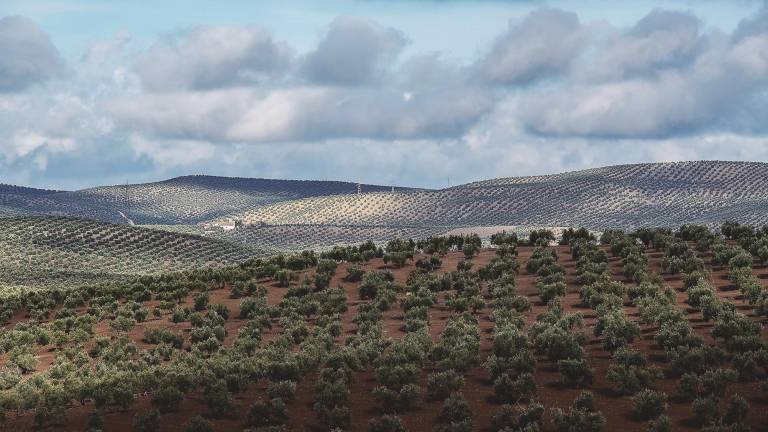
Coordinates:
478	389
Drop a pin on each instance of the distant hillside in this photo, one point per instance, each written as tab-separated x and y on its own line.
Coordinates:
181	200
292	214
300	237
43	251
625	196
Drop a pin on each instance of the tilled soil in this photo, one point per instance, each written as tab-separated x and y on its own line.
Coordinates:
478	389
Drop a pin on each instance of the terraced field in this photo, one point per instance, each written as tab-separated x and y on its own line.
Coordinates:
55	251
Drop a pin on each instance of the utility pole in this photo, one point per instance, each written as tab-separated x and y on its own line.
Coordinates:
359	187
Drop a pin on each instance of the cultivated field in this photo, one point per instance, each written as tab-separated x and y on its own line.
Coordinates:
41	252
650	330
181	200
626	197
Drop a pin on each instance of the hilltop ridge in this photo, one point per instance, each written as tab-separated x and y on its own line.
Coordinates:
302	213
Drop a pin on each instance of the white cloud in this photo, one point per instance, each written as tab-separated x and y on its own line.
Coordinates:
205	58
549	94
660	41
27	55
355	51
301	114
543	44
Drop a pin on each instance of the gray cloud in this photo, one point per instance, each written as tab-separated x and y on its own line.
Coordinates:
355	51
302	114
27	55
666	80
550	93
205	58
660	41
543	44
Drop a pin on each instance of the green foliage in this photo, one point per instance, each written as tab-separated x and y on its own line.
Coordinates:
514	390
285	390
199	424
147	422
456	414
167	398
219	400
517	417
631	378
575	372
648	404
386	423
269	413
442	384
661	424
736	411
581	417
704	410
354	273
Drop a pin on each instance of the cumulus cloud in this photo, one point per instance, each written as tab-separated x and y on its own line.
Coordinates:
543	44
205	58
685	88
660	41
301	114
355	51
27	55
550	93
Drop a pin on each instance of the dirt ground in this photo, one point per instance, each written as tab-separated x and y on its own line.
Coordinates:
478	389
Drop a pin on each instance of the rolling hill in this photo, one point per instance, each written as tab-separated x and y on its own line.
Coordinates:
291	214
181	200
48	251
625	196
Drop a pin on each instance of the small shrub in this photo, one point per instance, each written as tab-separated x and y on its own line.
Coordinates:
219	400
649	404
199	424
333	418
576	372
285	390
167	398
201	301
456	410
354	273
704	410
510	390
688	386
268	413
386	423
442	384
715	382
581	417
736	411
661	424
147	422
517	417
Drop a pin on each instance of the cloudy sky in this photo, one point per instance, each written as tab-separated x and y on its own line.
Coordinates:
405	92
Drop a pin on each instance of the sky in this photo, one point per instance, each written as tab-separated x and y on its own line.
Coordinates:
398	92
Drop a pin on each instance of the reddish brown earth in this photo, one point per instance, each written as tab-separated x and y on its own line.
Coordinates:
478	389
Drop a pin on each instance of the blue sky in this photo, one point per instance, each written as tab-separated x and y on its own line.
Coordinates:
404	92
75	24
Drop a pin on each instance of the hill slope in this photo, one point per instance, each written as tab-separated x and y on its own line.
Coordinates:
625	196
44	251
181	200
